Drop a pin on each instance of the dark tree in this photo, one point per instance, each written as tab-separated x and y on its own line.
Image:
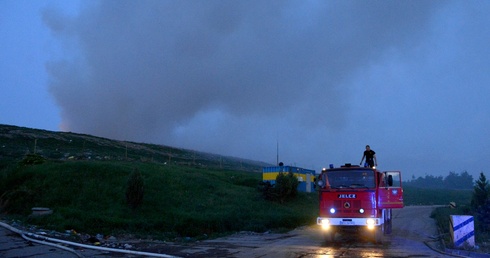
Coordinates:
466	180
429	181
451	181
135	189
480	194
286	186
456	181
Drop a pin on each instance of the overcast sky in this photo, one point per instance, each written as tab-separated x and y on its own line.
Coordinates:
320	79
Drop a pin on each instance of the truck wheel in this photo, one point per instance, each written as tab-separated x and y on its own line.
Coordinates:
378	235
329	236
388	221
388	224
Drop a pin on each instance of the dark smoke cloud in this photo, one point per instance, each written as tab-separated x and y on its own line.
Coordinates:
222	76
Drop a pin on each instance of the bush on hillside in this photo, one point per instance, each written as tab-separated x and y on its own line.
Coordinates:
17	194
33	159
286	188
135	189
267	190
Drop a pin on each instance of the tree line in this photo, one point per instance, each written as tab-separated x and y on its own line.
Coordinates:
452	181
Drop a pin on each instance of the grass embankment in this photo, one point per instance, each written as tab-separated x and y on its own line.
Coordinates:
89	196
179	201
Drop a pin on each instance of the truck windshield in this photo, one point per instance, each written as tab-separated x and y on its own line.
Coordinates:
351	179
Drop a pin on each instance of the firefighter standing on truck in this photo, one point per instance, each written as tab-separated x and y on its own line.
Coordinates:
370	156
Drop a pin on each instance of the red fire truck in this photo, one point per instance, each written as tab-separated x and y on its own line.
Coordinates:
354	198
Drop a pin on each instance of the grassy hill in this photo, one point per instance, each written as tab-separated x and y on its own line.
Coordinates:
89	196
16	142
83	179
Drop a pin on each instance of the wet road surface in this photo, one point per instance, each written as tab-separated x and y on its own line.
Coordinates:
413	235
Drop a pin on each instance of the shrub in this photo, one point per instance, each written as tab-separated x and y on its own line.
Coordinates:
33	159
483	217
267	190
286	188
135	189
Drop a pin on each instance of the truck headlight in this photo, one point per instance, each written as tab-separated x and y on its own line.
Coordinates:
332	210
370	223
361	210
325	224
320	183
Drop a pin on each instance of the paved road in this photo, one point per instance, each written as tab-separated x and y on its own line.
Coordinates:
13	245
412	226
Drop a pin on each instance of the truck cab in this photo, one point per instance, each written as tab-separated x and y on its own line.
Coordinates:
354	198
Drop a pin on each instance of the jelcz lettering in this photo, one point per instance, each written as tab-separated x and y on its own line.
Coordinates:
347	196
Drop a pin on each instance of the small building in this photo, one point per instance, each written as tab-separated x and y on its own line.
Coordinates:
306	177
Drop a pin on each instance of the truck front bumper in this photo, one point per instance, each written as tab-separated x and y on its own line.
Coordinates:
370	223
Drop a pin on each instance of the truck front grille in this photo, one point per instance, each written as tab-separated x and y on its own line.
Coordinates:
347	206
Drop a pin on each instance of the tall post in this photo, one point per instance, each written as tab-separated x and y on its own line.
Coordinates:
277	152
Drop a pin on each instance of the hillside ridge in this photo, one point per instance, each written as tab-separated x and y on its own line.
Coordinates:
16	142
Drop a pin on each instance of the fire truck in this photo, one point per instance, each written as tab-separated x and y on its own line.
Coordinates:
354	199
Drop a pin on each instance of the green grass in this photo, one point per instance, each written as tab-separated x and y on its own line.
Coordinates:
89	196
424	196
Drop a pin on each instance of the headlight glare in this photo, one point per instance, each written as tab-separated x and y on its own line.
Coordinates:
332	210
370	223
325	224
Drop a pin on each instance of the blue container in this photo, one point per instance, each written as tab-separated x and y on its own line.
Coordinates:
305	176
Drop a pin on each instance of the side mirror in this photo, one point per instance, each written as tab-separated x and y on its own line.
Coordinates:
390	180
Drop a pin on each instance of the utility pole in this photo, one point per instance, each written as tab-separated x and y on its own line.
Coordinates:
277	152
